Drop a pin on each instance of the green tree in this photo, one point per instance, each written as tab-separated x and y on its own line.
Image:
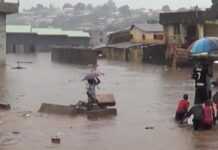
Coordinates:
166	8
125	11
67	5
79	8
214	3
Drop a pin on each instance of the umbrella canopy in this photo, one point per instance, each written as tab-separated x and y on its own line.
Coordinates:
92	75
207	46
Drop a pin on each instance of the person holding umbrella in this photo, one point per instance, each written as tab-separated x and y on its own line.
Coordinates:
93	80
204	51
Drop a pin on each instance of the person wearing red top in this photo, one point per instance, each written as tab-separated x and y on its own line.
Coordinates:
182	109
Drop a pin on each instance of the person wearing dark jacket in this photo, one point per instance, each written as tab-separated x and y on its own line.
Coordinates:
197	112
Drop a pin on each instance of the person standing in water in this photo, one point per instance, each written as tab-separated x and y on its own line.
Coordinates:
91	90
93	81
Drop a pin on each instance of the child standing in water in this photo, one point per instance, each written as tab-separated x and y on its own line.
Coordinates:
93	81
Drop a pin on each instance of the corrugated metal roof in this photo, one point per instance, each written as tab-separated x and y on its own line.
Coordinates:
150	27
124	45
45	31
18	29
48	31
76	33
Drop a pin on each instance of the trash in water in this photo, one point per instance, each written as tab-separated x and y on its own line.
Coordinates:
149	128
27	114
56	140
16	132
18	66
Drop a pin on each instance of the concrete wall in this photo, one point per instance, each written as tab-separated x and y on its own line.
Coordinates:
200	28
115	53
8	8
134	54
17	42
154	54
2	39
74	56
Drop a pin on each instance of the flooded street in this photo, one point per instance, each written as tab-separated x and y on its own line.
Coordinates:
146	96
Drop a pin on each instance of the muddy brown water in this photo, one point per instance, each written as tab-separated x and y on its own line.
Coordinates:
146	98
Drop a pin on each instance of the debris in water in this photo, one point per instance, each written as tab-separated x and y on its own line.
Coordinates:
149	128
56	140
18	67
27	114
16	132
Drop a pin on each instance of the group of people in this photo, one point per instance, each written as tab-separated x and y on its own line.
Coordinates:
204	115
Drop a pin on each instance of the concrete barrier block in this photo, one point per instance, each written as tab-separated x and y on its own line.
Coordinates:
57	109
106	99
5	106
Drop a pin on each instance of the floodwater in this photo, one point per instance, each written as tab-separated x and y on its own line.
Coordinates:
146	96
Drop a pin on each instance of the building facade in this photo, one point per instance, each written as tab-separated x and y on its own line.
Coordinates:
27	39
5	8
130	44
181	29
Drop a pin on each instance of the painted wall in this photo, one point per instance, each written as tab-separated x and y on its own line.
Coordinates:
211	29
139	36
129	54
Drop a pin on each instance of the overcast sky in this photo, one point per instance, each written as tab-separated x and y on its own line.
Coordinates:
132	3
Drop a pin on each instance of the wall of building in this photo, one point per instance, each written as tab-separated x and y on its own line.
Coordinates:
97	37
115	53
134	54
74	55
154	54
139	36
211	29
19	42
2	38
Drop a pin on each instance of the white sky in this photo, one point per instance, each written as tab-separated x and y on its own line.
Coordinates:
132	3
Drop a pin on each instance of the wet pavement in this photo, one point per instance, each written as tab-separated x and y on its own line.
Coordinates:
146	98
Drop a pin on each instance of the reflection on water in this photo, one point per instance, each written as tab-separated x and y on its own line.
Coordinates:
146	95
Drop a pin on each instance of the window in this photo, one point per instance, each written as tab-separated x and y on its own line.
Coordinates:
131	36
158	37
143	37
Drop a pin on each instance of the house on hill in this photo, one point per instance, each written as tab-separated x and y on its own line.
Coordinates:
129	44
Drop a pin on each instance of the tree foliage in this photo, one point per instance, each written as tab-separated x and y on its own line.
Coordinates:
166	8
214	3
125	11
